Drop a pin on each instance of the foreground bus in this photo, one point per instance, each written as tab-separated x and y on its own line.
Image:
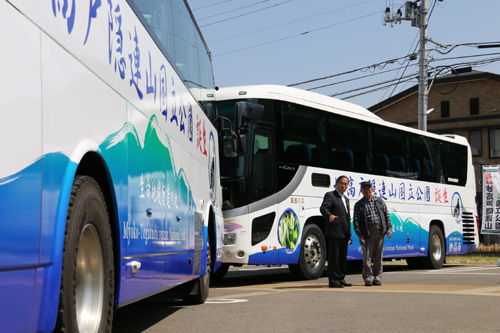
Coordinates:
291	145
109	185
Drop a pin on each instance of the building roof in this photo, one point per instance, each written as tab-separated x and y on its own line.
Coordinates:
460	75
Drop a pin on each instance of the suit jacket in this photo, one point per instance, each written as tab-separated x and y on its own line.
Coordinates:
333	205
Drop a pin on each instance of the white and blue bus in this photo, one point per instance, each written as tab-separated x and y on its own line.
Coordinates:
109	184
292	145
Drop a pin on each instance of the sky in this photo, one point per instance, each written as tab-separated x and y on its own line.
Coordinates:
288	42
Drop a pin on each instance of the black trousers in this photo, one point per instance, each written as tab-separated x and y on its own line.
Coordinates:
337	258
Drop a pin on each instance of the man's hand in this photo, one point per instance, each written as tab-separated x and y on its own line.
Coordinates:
389	234
333	217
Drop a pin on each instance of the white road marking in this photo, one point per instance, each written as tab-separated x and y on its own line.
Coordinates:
468	270
464	270
226	301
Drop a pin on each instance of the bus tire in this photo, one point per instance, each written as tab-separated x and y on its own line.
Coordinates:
437	248
312	255
436	252
86	297
197	291
220	272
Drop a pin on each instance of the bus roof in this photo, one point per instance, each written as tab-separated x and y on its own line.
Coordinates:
319	101
295	95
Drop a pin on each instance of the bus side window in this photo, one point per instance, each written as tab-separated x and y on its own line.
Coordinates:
343	159
398	164
415	168
453	160
428	170
381	164
420	158
298	154
350	151
263	164
316	156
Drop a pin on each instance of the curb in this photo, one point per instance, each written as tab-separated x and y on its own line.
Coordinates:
485	254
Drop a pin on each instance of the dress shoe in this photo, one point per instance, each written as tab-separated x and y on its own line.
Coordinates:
368	283
345	284
335	284
377	283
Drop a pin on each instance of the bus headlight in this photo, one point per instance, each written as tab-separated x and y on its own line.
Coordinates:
230	238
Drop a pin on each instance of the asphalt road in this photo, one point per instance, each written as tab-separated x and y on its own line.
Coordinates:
457	298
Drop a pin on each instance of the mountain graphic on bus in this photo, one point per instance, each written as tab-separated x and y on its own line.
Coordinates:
406	236
148	169
153	181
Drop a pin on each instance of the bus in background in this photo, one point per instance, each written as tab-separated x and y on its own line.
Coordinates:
291	145
109	169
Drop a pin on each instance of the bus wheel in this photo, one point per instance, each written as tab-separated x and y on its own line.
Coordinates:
312	254
436	254
437	250
197	291
86	297
220	272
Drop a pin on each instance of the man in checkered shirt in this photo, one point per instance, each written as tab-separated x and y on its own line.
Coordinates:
371	223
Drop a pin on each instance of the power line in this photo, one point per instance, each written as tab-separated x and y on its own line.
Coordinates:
412	76
436	49
232	10
348	72
244	14
406	67
419	15
384	63
468	56
402	74
478	45
374	90
408	80
355	79
289	22
214	4
414	46
297	35
381	65
405	79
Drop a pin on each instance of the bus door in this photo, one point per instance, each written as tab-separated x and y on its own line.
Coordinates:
263	197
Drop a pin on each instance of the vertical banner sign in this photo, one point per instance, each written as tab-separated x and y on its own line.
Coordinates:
491	200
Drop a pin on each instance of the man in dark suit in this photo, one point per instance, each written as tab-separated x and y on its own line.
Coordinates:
335	210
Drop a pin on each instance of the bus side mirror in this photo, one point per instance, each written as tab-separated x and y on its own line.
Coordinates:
229	145
228	138
247	110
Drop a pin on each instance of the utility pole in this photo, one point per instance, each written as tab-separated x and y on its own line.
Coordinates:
422	70
418	17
